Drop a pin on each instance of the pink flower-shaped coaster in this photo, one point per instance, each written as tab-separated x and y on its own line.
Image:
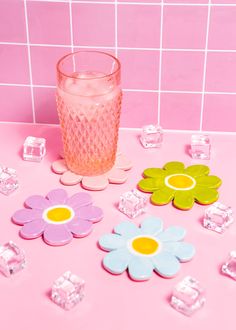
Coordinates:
118	174
57	217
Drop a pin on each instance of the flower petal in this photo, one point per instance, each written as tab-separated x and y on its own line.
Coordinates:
33	229
150	184
78	200
23	216
173	233
59	166
152	226
57	196
116	262
140	269
174	166
57	235
184	200
98	182
210	181
162	196
91	213
127	229
197	170
154	172
80	228
111	242
69	178
205	195
166	264
182	250
123	163
38	202
116	175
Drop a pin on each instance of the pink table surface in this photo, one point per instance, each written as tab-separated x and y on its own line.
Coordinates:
113	302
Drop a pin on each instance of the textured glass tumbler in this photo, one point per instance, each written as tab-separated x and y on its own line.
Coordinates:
89	104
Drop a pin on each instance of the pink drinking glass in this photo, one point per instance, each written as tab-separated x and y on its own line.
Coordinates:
89	104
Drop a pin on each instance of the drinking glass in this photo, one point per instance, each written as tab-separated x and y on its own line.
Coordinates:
89	104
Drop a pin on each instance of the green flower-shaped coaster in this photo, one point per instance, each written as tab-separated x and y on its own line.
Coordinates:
182	185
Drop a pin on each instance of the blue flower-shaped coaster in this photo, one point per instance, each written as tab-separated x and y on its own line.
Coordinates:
143	249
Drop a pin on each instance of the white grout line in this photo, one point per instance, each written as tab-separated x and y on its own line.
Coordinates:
95	2
129	90
94	47
72	34
32	44
15	85
139	3
205	64
26	123
50	45
197	131
176	92
116	28
160	67
71	26
181	131
181	92
158	4
29	60
200	4
172	131
13	43
121	48
140	90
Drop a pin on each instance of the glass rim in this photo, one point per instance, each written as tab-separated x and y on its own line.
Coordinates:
87	51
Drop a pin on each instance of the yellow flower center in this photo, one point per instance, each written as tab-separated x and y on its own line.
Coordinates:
145	245
58	214
180	181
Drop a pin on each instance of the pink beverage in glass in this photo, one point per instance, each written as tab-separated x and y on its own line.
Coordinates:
88	105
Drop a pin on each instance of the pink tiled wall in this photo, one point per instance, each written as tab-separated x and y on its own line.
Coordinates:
178	58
